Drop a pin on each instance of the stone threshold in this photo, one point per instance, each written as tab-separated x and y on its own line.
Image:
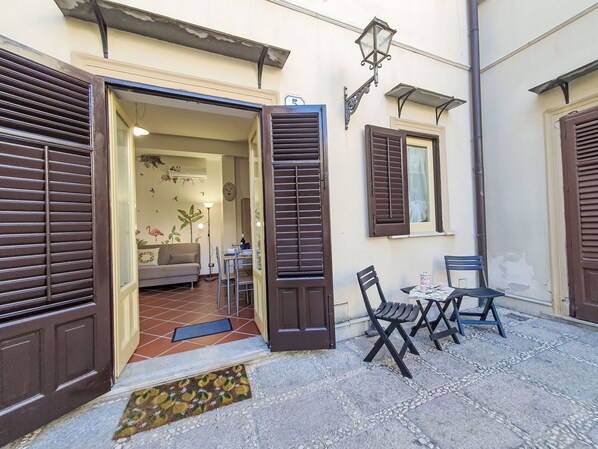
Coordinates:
169	368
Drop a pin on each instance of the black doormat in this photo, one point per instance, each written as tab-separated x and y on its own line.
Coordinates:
201	330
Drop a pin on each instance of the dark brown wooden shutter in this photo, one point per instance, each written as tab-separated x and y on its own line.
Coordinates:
46	211
580	165
55	301
300	304
40	100
297	195
388	198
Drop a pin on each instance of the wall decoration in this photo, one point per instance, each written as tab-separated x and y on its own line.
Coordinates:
150	161
173	236
154	232
140	242
159	208
188	218
175	179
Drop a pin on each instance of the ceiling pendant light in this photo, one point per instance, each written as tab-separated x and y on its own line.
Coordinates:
138	130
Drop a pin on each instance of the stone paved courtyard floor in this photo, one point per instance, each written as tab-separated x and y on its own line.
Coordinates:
536	389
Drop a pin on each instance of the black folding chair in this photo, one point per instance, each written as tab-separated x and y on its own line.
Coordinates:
393	312
483	293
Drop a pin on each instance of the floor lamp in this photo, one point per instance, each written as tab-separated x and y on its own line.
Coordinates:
210	277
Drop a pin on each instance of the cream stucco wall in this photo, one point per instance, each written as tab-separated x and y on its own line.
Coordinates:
544	39
430	52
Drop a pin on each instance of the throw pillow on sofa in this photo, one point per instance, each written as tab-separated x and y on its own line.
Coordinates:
183	258
148	256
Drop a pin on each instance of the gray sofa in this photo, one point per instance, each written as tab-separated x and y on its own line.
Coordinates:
173	265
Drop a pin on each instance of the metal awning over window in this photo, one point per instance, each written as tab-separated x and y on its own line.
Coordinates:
403	92
563	81
107	14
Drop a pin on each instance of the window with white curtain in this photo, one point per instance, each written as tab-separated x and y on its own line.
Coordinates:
422	191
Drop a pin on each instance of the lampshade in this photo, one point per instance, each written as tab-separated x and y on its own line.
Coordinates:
139	131
208	205
375	41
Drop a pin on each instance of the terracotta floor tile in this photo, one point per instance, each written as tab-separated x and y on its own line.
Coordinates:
170	314
233	336
162	309
206	318
137	358
208	340
189	318
208	308
145	338
156	348
246	313
181	347
148	323
163	328
188	307
249	328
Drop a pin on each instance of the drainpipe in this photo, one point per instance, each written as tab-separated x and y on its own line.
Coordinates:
476	106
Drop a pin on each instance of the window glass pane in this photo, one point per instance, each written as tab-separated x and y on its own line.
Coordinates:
123	202
419	182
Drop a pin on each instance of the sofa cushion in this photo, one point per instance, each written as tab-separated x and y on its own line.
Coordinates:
165	271
184	258
147	256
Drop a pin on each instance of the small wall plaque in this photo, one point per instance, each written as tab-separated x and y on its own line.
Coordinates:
292	100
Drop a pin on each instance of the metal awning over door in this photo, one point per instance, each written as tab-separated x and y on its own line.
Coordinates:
107	14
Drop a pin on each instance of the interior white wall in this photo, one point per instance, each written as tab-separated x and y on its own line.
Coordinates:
242	184
229	208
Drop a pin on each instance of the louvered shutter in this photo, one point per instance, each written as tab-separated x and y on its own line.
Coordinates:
298	228
55	329
297	195
580	164
39	100
45	191
388	198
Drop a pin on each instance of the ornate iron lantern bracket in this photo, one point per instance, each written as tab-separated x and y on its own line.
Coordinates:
374	44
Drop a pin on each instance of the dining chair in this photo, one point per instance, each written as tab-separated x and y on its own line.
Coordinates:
224	279
395	313
243	277
483	293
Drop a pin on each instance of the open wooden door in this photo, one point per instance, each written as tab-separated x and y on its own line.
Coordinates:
579	137
55	330
297	211
258	240
124	249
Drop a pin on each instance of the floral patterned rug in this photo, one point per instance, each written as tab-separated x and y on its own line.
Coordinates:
153	407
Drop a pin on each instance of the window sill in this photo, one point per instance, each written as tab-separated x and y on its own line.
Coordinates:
421	234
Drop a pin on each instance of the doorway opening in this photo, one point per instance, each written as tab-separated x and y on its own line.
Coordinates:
183	197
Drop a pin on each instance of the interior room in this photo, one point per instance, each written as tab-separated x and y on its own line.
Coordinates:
193	206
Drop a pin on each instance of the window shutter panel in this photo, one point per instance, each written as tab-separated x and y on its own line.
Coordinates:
388	198
45	190
297	194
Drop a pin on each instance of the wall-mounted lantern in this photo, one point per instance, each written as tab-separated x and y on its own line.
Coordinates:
374	43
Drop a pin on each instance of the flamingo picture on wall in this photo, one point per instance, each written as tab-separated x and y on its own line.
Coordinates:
154	232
